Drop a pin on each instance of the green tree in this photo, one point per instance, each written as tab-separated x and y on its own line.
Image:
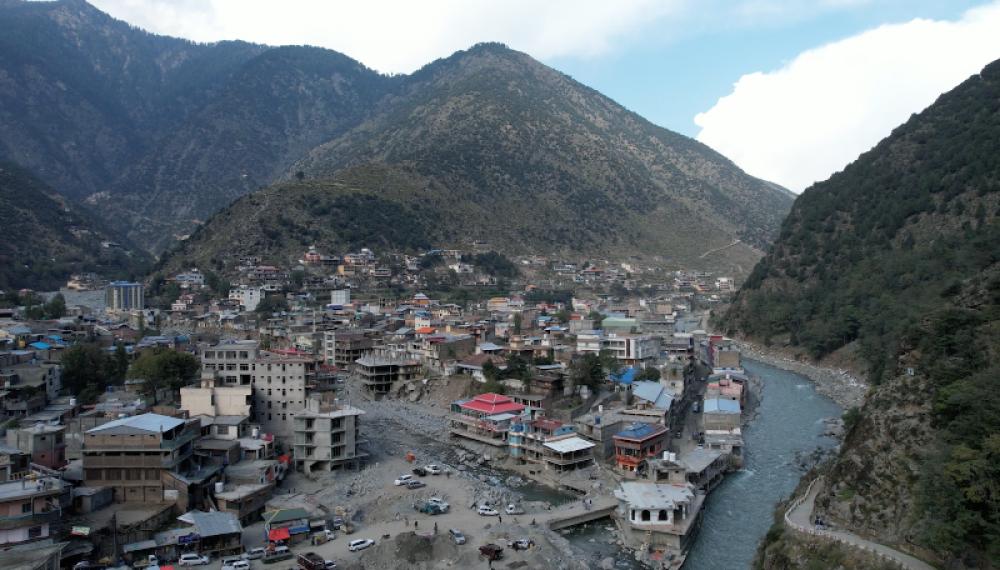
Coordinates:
56	307
650	373
517	323
164	368
121	363
85	371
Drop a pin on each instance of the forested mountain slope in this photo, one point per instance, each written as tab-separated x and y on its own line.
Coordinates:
897	258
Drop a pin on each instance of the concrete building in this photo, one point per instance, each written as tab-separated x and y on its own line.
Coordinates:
30	509
632	350
379	373
638	443
212	398
661	517
279	390
45	444
342	348
124	296
232	361
247	297
340	297
485	418
326	436
720	414
133	455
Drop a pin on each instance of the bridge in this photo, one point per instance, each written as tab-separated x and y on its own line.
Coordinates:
578	512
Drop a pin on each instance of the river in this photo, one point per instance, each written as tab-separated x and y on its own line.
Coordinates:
740	510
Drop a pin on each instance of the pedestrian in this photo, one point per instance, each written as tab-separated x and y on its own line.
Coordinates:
435	528
416	524
500	519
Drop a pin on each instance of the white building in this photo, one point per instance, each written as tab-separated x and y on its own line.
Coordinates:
340	297
248	297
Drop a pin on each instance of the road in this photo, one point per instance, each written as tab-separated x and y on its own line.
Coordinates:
799	517
711	251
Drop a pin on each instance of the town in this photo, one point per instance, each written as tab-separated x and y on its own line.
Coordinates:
437	408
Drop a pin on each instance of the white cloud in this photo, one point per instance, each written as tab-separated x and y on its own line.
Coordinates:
809	119
400	36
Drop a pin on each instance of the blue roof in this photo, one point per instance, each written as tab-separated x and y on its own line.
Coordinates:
722	406
626	376
40	345
145	422
653	392
639	431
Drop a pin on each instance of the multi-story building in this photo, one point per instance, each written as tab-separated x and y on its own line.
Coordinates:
29	509
247	297
46	444
124	296
224	411
662	517
132	455
327	436
342	348
485	418
340	297
640	442
632	350
378	373
279	391
232	361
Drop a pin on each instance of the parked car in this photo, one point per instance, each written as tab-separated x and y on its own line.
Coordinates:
420	471
513	509
237	565
192	559
415	484
88	565
337	523
278	554
255	553
434	469
521	544
403	480
457	535
441	503
230	561
487	511
360	544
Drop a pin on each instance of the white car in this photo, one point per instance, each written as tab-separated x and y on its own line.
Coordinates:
403	480
192	559
434	469
360	544
487	511
513	509
255	553
237	565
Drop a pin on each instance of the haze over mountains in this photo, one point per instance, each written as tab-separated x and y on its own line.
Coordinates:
159	133
894	264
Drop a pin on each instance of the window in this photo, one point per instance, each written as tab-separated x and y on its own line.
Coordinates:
26	507
35	532
662	516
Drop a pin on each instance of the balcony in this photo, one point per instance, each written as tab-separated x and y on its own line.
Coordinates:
29	519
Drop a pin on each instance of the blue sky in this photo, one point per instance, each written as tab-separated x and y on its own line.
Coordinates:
670	81
790	90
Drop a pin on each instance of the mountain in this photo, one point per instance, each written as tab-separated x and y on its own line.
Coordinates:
894	264
158	133
48	238
491	145
500	128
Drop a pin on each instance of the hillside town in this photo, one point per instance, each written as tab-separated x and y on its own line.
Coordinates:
355	410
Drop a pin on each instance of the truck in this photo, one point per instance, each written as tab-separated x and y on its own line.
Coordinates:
313	561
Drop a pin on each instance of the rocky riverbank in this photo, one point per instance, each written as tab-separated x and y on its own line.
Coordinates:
839	385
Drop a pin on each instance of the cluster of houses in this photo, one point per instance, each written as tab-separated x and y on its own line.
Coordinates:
206	460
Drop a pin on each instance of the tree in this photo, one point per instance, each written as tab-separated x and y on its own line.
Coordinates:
517	323
588	371
298	277
56	307
121	361
85	371
300	176
650	373
164	368
597	317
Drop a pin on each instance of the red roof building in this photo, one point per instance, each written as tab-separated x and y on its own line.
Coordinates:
490	404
